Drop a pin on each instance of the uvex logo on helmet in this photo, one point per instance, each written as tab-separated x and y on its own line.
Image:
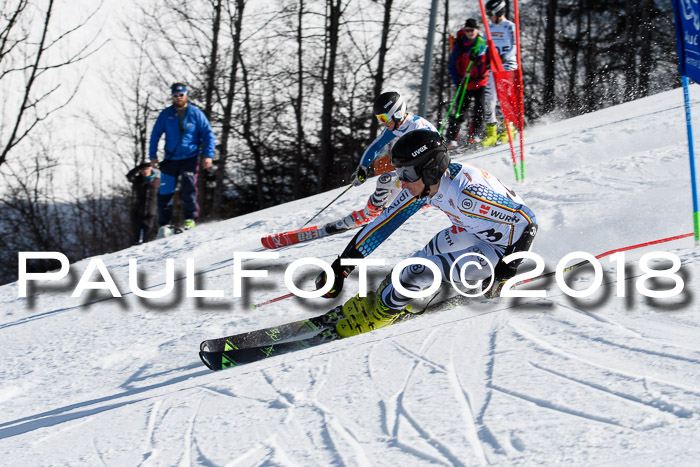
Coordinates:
389	104
420	150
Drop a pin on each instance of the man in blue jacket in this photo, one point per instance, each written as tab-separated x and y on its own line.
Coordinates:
187	135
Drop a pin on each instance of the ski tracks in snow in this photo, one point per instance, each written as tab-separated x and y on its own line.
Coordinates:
382	408
459	358
398	408
606	364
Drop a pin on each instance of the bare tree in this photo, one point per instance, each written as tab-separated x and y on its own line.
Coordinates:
205	195
236	26
298	103
572	99
550	43
603	53
250	138
381	57
326	156
645	55
27	62
211	66
33	218
443	77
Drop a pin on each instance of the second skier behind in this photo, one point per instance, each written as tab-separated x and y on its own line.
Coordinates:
503	37
390	110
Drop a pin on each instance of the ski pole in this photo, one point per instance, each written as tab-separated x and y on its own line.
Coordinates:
506	123
453	101
334	200
258	305
447	115
464	90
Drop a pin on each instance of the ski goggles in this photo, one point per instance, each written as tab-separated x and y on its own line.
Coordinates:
386	117
383	118
407	174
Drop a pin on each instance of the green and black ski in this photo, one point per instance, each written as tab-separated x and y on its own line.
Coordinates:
235	356
227	352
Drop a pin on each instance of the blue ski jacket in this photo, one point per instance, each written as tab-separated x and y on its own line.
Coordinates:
182	143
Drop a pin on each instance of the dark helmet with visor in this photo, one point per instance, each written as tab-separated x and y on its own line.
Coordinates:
420	154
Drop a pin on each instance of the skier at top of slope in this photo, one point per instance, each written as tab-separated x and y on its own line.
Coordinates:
487	218
390	110
503	37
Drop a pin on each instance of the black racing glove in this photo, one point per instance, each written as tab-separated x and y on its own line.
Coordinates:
359	176
340	273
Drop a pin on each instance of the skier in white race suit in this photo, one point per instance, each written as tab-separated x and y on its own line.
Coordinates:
503	37
487	218
390	110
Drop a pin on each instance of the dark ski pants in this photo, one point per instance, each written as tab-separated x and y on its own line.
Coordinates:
186	171
143	222
476	98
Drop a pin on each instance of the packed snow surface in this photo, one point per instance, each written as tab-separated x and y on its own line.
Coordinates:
97	380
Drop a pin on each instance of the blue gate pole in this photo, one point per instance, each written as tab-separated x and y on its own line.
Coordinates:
691	150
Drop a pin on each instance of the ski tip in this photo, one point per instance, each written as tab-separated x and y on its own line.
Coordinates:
210	362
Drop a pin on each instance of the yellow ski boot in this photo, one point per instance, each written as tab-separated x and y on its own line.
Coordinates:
363	314
491	135
503	136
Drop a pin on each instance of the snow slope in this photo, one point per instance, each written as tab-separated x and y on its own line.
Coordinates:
556	380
